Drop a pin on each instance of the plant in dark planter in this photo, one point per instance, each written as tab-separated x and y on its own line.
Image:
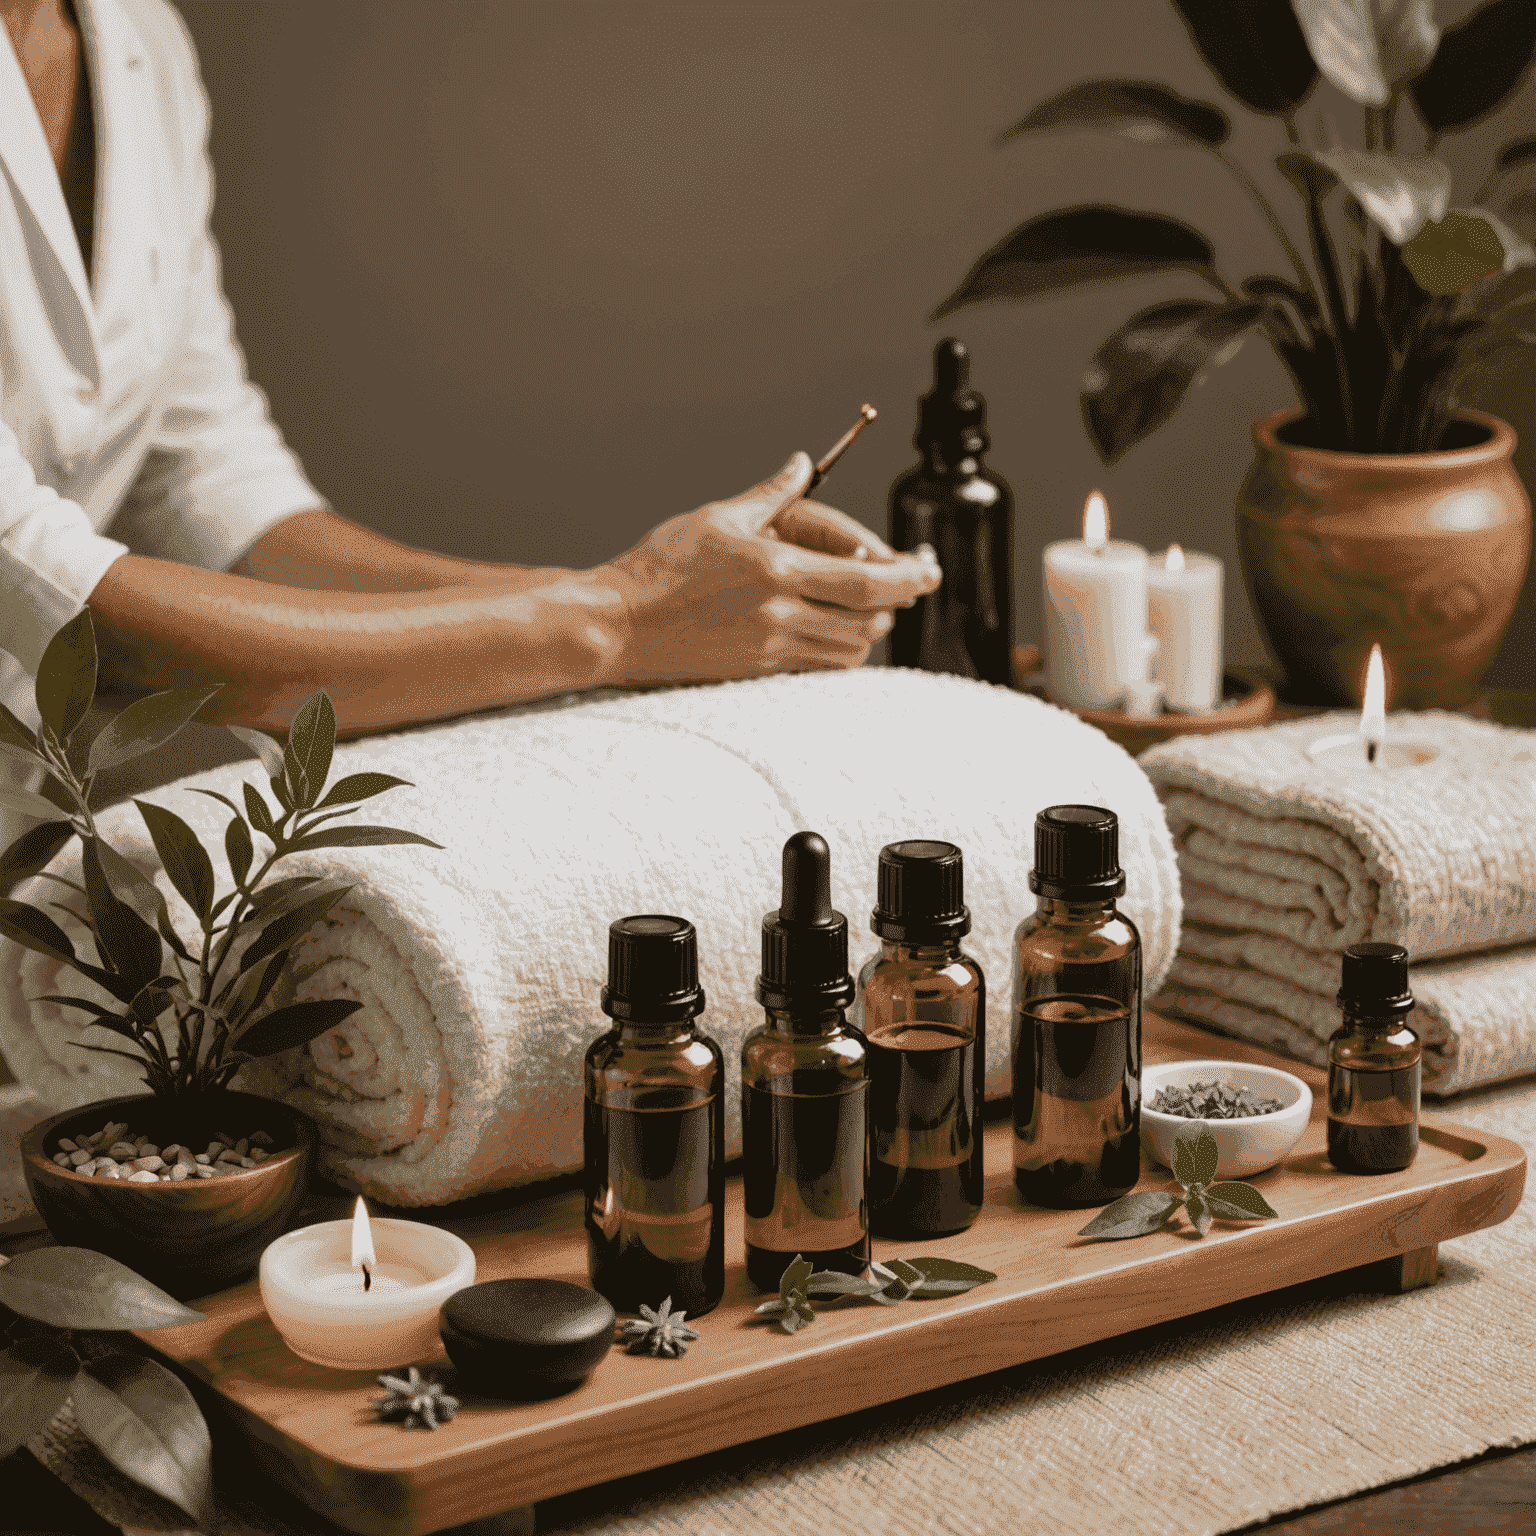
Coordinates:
1399	299
190	1014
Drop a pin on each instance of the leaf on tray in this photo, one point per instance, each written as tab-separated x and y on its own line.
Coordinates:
1133	1215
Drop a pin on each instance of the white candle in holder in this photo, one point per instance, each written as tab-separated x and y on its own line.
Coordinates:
1095	614
1184	612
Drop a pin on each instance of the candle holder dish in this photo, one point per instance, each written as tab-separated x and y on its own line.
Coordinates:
191	1237
1245	1145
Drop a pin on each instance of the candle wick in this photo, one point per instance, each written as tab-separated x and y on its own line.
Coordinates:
367	1279
1370	751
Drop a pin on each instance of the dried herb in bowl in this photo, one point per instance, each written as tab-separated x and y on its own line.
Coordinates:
1211	1101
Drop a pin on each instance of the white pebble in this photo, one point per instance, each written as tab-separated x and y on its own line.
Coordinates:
203	1171
66	1145
149	1149
214	1148
124	1151
179	1172
228	1155
169	1152
62	1159
246	1162
78	1157
149	1163
184	1159
105	1162
87	1168
201	1157
143	1176
109	1171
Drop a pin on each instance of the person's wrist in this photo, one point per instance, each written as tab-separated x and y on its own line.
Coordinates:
603	613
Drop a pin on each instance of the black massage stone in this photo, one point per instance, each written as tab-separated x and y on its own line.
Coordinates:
526	1338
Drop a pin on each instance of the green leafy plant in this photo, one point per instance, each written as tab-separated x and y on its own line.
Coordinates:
192	1013
889	1284
1195	1156
1404	296
62	1315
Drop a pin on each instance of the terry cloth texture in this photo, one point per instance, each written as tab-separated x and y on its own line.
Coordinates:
1199	1427
480	966
1286	860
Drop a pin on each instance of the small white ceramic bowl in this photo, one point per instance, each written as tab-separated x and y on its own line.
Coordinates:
1247	1145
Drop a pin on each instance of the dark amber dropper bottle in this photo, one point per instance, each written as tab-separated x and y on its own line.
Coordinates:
922	1008
1076	1019
654	1127
803	1082
1374	1061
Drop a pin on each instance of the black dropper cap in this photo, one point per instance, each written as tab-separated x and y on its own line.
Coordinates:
653	970
953	416
921	893
1077	854
805	943
1375	980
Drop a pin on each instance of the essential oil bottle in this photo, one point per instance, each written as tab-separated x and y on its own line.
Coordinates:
654	1127
1076	1019
922	1010
803	1086
1374	1062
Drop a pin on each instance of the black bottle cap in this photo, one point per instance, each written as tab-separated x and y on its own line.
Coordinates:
921	893
1375	979
526	1338
805	943
953	416
653	970
1077	854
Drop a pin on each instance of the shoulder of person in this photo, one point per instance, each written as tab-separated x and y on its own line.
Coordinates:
169	58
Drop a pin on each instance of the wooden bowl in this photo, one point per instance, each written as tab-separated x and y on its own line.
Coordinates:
190	1237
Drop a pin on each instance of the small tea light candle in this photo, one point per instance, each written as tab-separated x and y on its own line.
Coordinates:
1368	750
338	1300
1184	612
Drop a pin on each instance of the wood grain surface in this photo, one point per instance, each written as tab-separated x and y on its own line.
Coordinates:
312	1429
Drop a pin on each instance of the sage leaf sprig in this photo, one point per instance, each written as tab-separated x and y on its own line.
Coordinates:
1195	1155
890	1284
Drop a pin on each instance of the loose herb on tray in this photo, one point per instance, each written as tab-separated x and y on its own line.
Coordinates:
659	1332
1211	1101
1195	1156
414	1400
888	1284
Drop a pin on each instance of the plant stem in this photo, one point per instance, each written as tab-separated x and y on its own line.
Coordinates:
1251	187
1337	314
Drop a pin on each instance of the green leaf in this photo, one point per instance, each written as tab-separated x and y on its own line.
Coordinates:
66	676
106	1015
238	849
1139	110
31	852
1446	256
250	989
131	946
946	1277
213	794
1369	48
1195	1155
1063	250
1133	1215
35	1377
361	786
311	740
1235	1201
1478	64
146	724
1400	193
1199	1212
269	751
145	1422
297	1024
17	737
132	886
78	1288
287	928
184	858
796	1273
1139	377
1306	173
256	809
1256	49
28	803
149	1002
24	924
358	837
1518	151
285	894
829	1282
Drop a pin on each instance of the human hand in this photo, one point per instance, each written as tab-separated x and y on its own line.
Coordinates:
762	583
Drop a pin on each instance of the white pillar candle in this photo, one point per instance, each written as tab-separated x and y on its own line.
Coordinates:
1184	612
1095	614
336	1304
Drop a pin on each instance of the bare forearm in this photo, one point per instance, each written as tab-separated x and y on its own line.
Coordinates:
385	658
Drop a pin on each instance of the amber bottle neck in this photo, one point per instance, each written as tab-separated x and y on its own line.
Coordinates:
1052	909
923	954
640	1032
822	1021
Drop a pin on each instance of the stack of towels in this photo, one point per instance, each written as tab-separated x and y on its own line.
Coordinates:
1286	859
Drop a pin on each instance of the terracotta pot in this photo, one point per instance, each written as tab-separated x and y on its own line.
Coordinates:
190	1237
1424	553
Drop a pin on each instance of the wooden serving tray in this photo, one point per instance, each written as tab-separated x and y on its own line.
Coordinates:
313	1431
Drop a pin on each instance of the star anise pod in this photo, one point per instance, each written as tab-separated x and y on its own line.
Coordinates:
414	1400
662	1332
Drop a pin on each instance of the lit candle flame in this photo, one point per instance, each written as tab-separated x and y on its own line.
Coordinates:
362	1243
1095	522
1174	560
1373	712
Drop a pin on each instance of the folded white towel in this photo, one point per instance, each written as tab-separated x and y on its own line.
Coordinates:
480	966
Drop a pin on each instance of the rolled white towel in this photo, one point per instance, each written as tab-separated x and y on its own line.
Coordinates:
480	966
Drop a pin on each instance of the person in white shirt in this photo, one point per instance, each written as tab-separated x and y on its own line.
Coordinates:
140	473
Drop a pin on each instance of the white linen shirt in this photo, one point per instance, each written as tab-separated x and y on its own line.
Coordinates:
124	406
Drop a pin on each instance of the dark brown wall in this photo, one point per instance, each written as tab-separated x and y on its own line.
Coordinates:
524	278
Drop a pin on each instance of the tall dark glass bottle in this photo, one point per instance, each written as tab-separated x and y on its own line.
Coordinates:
955	503
654	1127
1374	1061
922	1008
1076	1019
803	1082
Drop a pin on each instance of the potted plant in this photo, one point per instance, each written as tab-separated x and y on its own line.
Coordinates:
1380	510
188	1013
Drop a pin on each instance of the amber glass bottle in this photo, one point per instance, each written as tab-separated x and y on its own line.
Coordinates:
1076	1019
1374	1061
654	1127
922	1008
803	1081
